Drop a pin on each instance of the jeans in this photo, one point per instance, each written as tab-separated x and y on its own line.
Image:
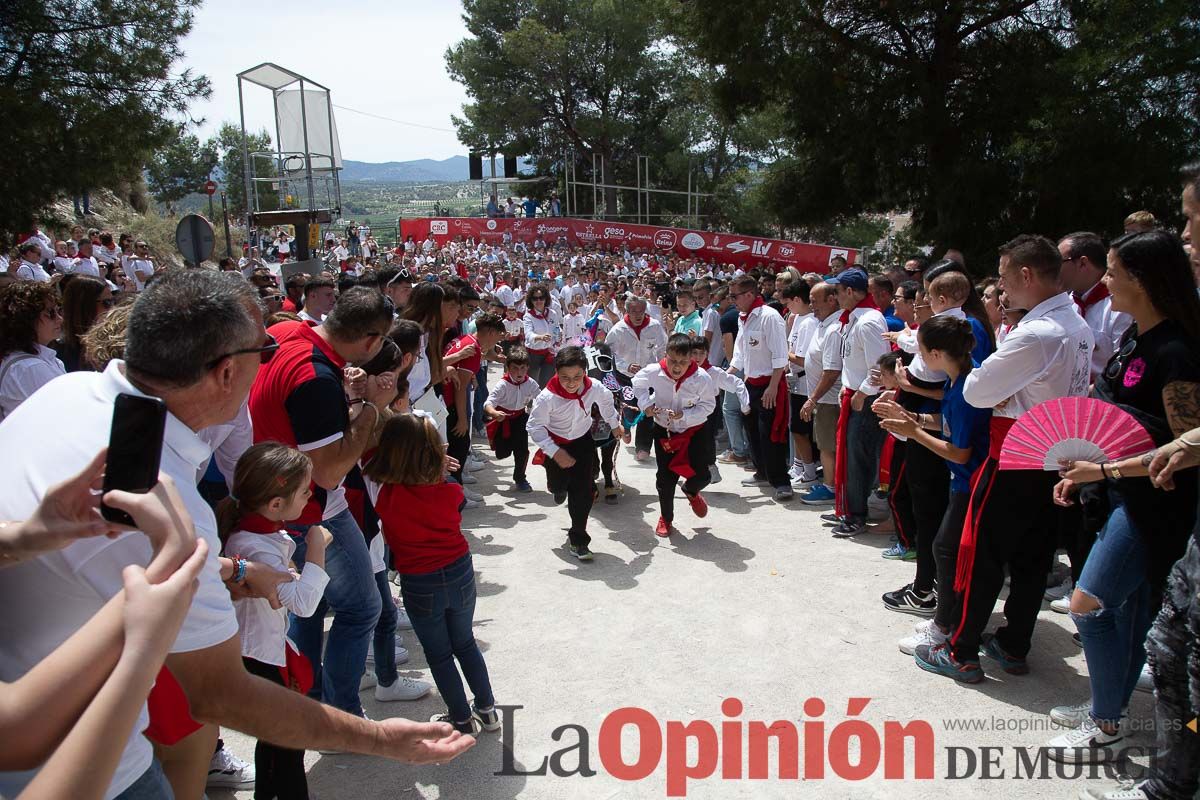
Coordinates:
353	596
152	785
1113	636
441	605
479	398
385	632
731	410
1173	649
864	441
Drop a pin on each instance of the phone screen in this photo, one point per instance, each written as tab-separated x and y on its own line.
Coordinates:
134	449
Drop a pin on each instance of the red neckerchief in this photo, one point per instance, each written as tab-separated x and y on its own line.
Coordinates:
689	372
758	301
556	388
257	523
514	383
866	302
542	316
704	365
1091	297
637	329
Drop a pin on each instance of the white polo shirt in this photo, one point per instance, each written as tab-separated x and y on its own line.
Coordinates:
45	600
761	344
30	271
22	374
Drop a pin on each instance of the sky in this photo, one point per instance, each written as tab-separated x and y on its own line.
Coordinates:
384	58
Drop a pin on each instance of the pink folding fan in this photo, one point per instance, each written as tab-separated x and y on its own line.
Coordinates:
1072	429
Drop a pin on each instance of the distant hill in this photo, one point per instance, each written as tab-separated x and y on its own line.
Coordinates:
424	170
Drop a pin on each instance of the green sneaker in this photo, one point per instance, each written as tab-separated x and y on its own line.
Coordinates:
582	552
898	552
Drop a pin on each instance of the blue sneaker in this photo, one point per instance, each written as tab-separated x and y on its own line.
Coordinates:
523	487
1010	664
939	660
819	495
896	552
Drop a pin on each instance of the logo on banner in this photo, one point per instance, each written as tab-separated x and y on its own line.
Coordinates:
692	241
664	239
738	247
588	233
439	226
834	253
760	248
491	224
542	229
787	250
614	233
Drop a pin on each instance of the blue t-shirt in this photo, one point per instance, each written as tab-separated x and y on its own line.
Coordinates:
894	323
530	207
983	342
964	425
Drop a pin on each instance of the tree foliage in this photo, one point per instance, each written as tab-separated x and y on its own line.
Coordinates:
180	168
90	93
985	117
227	144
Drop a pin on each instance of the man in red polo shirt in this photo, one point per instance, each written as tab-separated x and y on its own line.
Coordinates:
299	399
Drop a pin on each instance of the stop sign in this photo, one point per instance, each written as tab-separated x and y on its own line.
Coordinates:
210	188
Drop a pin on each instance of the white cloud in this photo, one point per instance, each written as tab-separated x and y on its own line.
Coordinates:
379	57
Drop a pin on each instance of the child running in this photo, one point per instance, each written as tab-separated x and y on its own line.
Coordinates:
270	486
679	397
946	344
560	424
507	409
419	513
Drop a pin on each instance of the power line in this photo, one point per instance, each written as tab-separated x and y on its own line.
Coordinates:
397	121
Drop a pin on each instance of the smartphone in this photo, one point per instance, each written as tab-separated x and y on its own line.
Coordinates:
134	449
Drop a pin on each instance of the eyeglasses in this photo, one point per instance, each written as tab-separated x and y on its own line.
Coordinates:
921	305
1118	362
402	275
265	352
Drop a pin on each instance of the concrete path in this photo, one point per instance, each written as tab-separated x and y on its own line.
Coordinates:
756	602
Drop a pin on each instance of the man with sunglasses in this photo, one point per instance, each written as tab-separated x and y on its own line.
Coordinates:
396	283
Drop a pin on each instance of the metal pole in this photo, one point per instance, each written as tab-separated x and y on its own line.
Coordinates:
639	189
211	213
595	202
225	215
307	155
246	200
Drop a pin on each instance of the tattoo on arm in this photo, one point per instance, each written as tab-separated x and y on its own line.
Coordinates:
1182	401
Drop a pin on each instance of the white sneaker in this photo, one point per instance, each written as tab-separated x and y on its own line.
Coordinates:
468	478
401	653
1064	589
1145	680
367	680
801	483
471	494
227	771
930	635
1062	605
474	464
469	503
1086	744
402	689
1126	790
920	626
1071	716
403	623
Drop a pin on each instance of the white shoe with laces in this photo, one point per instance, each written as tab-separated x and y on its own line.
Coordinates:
1062	605
1126	790
401	653
402	689
930	635
227	771
1087	744
471	494
1064	589
473	464
469	503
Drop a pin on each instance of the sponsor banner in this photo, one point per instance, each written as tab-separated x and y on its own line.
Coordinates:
718	248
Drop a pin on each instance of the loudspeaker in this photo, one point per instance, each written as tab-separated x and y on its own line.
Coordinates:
476	162
510	166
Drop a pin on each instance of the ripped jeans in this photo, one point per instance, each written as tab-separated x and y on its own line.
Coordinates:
1174	651
1114	635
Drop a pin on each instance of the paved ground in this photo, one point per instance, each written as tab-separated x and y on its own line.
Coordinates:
757	601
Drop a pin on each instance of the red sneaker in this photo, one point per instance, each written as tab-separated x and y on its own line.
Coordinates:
699	506
663	528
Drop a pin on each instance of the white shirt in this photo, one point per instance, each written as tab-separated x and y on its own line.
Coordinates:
825	349
761	344
86	266
572	326
263	629
513	396
22	374
723	380
140	270
566	418
1047	356
862	345
63	263
30	271
798	339
1108	327
694	397
59	592
107	256
630	349
711	323
504	294
918	369
419	375
540	326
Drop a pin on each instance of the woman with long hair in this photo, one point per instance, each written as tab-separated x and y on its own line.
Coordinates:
1154	375
85	301
425	308
30	319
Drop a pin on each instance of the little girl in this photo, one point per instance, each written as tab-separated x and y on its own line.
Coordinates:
419	512
271	486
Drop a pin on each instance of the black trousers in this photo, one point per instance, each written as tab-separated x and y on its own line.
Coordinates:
666	480
608	452
928	480
945	553
899	497
577	482
515	444
457	447
770	458
278	771
713	426
1014	515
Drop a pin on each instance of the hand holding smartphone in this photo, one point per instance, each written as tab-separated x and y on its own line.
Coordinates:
134	450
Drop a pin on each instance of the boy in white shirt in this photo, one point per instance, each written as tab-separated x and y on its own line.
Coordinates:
507	411
572	324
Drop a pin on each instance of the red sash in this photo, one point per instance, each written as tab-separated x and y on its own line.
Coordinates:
678	445
970	532
540	457
501	427
840	466
779	423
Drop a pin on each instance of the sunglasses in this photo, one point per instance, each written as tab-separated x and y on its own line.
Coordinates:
1118	363
265	352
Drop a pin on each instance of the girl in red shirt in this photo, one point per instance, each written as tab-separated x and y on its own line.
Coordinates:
419	512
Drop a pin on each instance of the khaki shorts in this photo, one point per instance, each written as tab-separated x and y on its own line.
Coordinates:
825	420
